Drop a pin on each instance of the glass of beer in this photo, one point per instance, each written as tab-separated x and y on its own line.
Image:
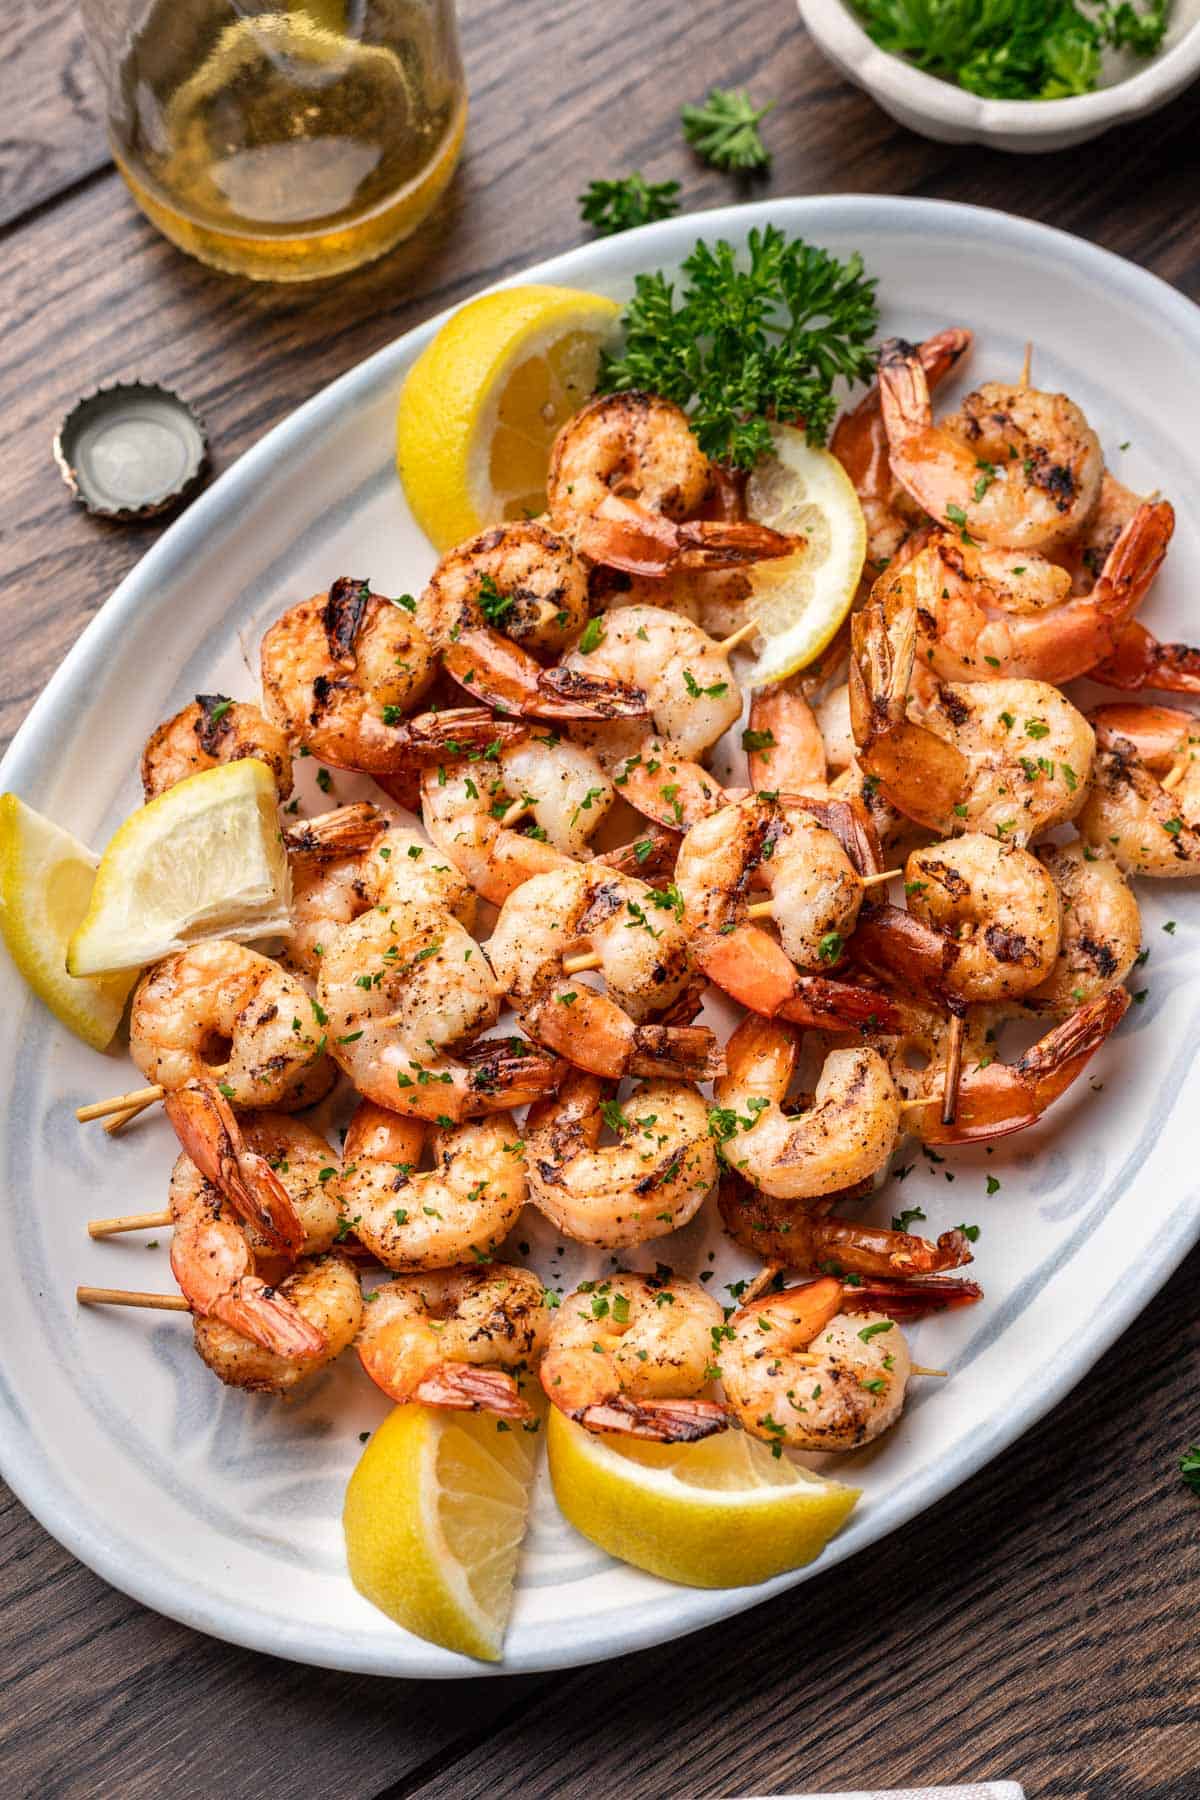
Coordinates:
282	139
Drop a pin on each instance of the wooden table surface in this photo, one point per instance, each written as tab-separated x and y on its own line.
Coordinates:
1040	1623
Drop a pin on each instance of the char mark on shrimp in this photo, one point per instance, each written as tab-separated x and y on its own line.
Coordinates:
214	722
343	616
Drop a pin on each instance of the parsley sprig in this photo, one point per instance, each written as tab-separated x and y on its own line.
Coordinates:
1189	1466
1013	49
630	200
740	345
724	131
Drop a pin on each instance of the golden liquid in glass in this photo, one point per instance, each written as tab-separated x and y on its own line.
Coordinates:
271	144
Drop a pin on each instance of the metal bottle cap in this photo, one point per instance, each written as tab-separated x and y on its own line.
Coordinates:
131	450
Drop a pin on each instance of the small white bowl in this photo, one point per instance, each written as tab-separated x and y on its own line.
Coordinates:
940	109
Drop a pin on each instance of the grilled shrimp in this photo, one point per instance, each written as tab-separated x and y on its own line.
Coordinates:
464	806
995	1098
347	861
221	1010
414	1218
844	1137
987	612
1010	758
860	444
806	1235
816	894
785	742
1101	927
1014	466
213	729
631	1354
1144	803
642	953
689	685
404	989
456	1337
340	671
324	1293
211	1257
984	921
649	1183
848	1396
627	476
514	589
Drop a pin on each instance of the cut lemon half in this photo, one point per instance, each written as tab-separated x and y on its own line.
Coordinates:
204	860
721	1513
434	1517
482	404
46	880
800	601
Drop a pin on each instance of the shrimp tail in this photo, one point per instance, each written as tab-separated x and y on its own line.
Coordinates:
467	1388
679	1052
498	672
1134	561
897	945
921	774
659	1421
653	852
1003	1098
1139	660
909	1298
268	1319
730	544
801	1235
756	970
205	1126
346	831
509	1071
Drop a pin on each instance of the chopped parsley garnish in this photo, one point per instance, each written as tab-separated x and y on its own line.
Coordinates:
1013	49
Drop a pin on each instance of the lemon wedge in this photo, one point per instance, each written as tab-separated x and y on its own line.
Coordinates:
434	1517
481	405
203	860
721	1513
800	601
46	879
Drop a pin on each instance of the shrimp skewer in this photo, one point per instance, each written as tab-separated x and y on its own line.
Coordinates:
990	613
799	1235
222	1011
1012	758
414	1218
406	991
1014	466
798	1372
860	444
631	1354
640	946
214	729
456	1338
845	1136
649	1183
626	479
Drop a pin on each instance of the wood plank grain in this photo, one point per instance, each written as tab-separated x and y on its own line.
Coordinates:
1035	1623
53	135
1038	1625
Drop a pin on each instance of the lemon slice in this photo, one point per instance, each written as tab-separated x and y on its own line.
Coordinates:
482	404
799	601
204	860
46	879
721	1513
434	1517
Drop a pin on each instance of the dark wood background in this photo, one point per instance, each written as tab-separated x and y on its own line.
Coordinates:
1041	1622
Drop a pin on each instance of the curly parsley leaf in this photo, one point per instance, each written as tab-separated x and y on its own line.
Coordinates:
748	340
630	200
724	131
